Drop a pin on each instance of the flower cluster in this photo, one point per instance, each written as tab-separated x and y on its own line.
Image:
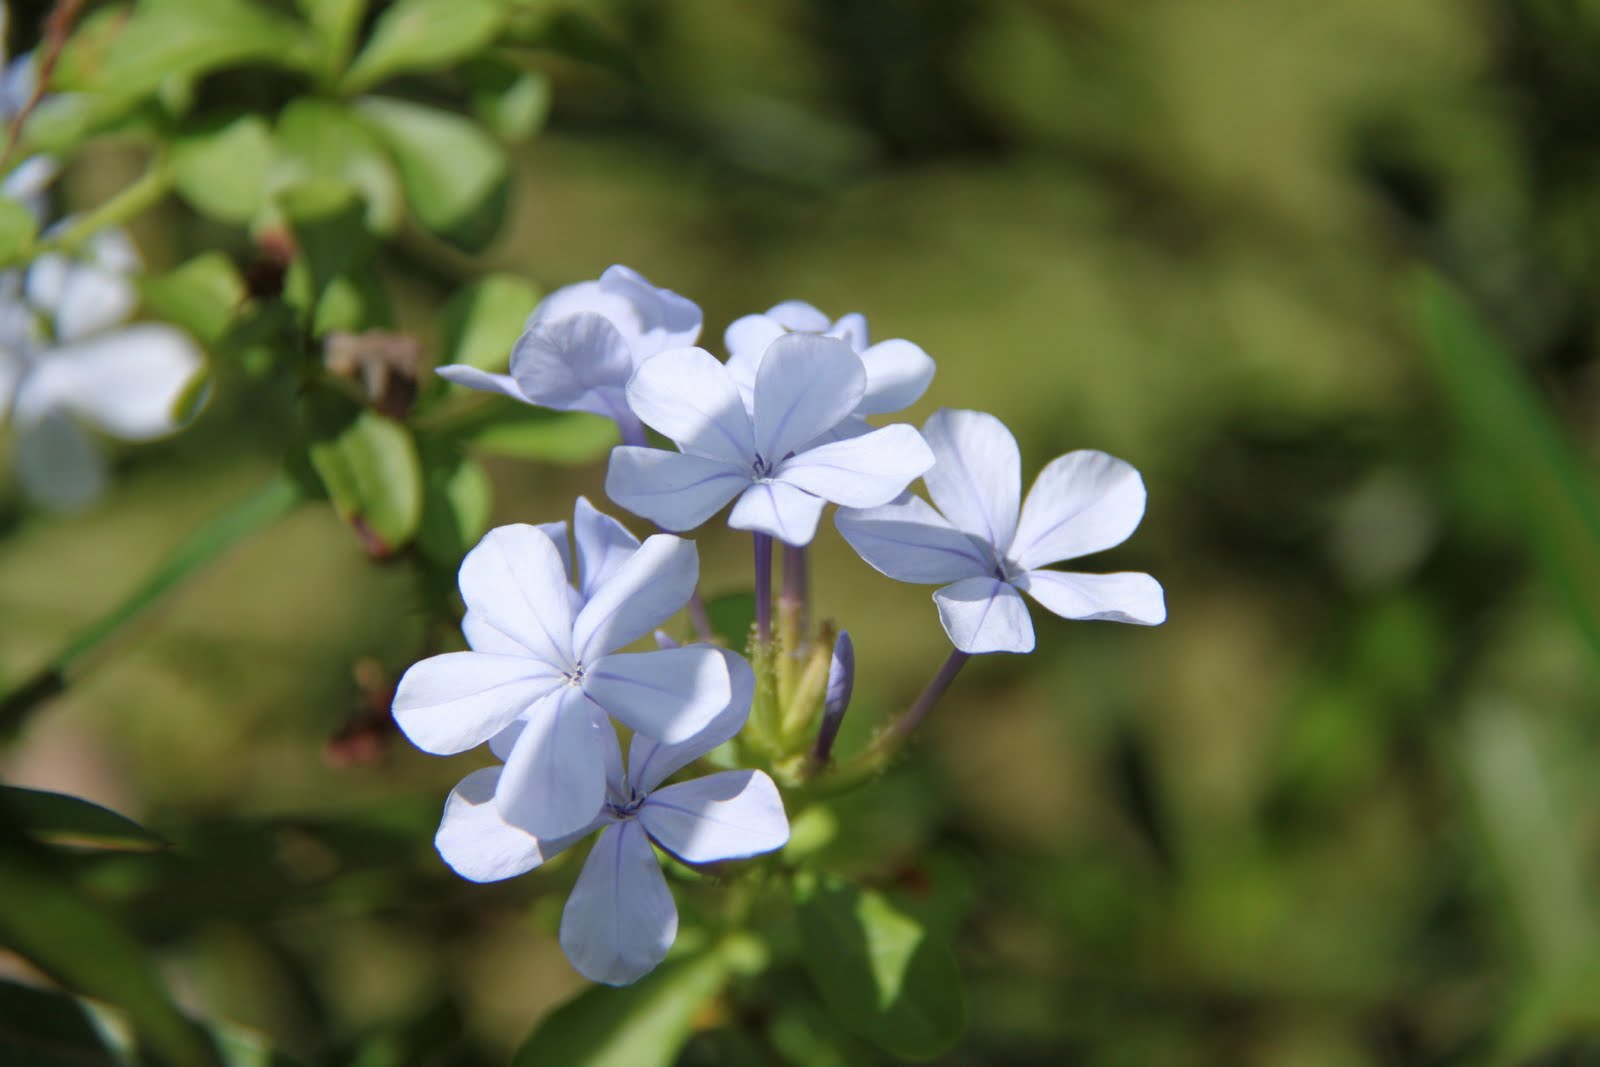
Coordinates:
778	431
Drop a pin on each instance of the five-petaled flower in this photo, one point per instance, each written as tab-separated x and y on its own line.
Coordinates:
583	342
539	657
1081	503
65	360
898	371
620	919
766	457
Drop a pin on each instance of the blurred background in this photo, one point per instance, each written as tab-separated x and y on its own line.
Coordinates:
1340	810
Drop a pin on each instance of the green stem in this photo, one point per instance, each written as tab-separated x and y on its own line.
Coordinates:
207	543
135	199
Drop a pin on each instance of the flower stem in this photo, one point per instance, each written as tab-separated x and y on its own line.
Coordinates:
792	602
763	546
143	194
207	543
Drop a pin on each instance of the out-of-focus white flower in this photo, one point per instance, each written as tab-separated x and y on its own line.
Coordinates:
27	181
67	361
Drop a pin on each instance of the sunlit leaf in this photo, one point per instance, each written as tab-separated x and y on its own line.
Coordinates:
17	229
368	464
457	498
526	433
881	973
335	23
222	169
322	140
511	101
452	171
483	320
423	35
202	295
642	1025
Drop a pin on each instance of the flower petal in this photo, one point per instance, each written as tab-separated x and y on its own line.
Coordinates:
557	532
572	363
805	386
689	396
473	378
898	373
58	466
723	816
1126	597
852	330
799	316
670	694
650	762
86	297
481	846
910	542
779	510
604	544
985	615
747	339
620	919
514	581
128	382
647	589
860	472
447	704
554	781
672	490
1081	503
666	319
976	480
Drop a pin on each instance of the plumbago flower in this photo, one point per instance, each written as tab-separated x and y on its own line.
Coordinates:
540	657
620	919
65	360
583	342
1081	503
765	457
898	372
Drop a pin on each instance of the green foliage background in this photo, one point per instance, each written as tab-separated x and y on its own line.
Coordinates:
1339	810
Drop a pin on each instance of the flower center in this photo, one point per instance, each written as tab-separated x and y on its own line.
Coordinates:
761	468
574	677
625	808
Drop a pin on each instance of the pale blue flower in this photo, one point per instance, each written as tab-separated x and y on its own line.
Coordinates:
763	457
540	657
67	361
620	919
898	371
991	552
28	180
583	342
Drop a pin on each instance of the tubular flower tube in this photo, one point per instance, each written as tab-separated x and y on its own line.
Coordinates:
990	551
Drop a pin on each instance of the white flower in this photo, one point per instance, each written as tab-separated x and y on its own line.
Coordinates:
64	362
620	919
765	457
1081	503
539	657
898	372
583	342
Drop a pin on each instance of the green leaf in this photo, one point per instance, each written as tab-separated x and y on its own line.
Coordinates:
453	174
167	38
222	168
483	320
423	35
17	230
320	140
528	433
642	1025
1513	430
457	498
335	23
60	819
201	295
355	301
329	223
512	102
47	922
732	616
880	972
369	466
